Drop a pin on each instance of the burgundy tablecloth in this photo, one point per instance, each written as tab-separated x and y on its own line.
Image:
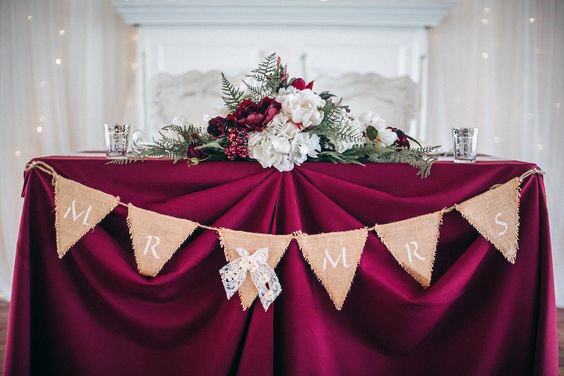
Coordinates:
91	313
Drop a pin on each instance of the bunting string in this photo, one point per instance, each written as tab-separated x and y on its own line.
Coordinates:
252	257
51	171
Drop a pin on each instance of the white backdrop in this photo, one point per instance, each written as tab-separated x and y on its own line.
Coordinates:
50	108
495	64
499	66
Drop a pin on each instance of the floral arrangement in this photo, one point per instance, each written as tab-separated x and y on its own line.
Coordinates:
281	122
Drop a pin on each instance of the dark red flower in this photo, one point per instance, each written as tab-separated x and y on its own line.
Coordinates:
402	140
300	84
192	152
217	126
255	116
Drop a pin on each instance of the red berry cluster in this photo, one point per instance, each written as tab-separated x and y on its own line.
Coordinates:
237	138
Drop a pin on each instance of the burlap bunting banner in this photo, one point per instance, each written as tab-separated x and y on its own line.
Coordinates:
155	237
495	214
334	257
231	240
78	209
413	243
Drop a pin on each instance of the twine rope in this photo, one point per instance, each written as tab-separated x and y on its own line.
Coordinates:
42	166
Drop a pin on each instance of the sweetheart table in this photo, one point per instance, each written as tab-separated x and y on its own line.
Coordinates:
92	313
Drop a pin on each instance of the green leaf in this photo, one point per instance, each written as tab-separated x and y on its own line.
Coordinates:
232	96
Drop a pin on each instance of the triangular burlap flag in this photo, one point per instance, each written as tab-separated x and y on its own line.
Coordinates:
155	238
334	257
495	214
413	243
78	209
231	240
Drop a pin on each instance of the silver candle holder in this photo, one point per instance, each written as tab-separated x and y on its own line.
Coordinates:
465	144
117	140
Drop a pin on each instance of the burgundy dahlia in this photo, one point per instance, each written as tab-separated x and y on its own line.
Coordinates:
402	140
255	116
217	126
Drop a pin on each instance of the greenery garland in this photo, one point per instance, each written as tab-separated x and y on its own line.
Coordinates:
194	145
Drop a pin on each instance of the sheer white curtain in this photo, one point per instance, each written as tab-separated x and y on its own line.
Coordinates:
499	65
65	69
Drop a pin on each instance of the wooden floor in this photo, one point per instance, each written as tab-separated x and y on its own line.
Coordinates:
4	320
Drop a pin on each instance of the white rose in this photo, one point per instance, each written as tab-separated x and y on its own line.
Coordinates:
302	106
372	119
387	137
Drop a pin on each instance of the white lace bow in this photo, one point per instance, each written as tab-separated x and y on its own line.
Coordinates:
234	274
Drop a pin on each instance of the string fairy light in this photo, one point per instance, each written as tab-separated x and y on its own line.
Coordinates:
61	32
29	18
485	21
531	19
485	55
486	10
540	147
39	129
58	61
17	153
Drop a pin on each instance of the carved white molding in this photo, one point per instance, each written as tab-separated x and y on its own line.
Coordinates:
335	13
193	94
395	99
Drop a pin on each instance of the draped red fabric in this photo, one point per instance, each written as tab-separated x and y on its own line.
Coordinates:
91	313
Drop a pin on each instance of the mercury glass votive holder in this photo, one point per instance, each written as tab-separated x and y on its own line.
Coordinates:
117	140
465	144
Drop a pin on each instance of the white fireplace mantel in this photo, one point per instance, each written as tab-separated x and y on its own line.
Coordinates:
371	52
333	13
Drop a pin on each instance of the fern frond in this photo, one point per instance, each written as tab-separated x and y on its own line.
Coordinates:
267	78
232	96
128	160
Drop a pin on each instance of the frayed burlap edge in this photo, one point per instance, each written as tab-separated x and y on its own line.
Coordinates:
300	235
167	259
385	242
55	183
516	199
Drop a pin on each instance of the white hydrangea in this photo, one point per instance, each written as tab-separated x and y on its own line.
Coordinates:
301	106
281	144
